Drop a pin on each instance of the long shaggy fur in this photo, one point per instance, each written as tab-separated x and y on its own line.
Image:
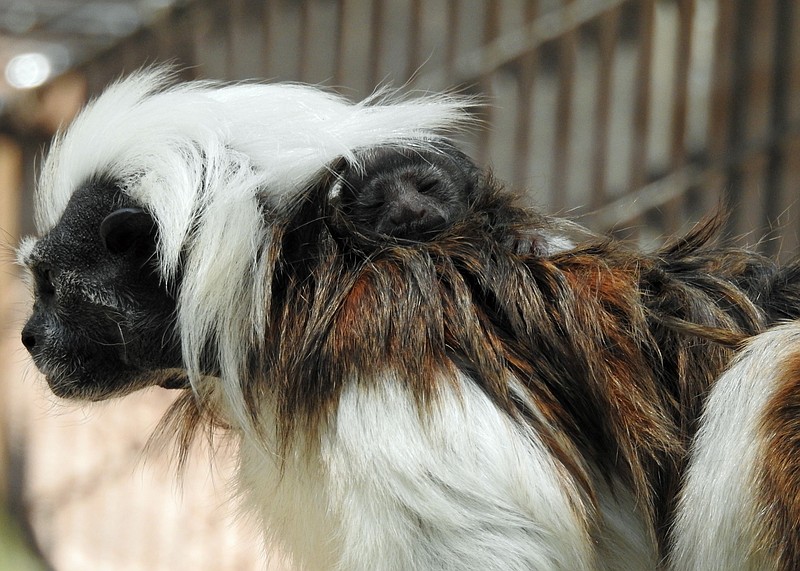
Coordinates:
217	166
453	404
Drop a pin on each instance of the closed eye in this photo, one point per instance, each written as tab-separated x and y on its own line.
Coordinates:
427	186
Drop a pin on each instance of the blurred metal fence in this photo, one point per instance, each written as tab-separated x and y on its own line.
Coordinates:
633	116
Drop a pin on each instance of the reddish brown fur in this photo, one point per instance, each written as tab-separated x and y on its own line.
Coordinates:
779	470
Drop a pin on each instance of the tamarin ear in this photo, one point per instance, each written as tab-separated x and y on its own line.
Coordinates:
128	230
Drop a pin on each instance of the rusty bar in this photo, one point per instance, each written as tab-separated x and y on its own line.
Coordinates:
526	65
353	67
338	72
549	26
758	31
265	20
491	26
375	42
787	212
607	45
791	16
171	33
412	61
791	179
783	180
303	43
453	20
246	58
760	80
722	84
567	47
319	40
220	51
680	84
641	111
680	96
234	19
721	103
637	176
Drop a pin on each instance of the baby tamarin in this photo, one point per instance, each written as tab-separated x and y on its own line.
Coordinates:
408	194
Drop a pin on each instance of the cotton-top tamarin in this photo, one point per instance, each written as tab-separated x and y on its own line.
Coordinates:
443	381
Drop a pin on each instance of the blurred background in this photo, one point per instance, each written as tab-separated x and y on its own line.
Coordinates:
635	117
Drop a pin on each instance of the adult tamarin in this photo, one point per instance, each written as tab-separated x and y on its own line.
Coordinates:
438	395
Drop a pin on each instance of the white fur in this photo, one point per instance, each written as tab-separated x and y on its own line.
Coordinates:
716	515
462	488
25	249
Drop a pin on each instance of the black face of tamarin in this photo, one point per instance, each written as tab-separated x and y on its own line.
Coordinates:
103	321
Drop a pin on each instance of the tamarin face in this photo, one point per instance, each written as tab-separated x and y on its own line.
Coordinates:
103	321
407	193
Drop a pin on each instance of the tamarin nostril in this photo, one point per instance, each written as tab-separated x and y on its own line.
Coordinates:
29	340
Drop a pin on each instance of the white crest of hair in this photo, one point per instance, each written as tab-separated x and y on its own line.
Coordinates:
716	517
391	489
198	156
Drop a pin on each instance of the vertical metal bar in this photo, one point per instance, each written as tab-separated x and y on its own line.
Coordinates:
245	40
758	33
233	19
641	118
353	66
567	47
790	14
607	46
266	17
339	63
412	61
171	34
210	41
490	29
375	42
641	106
453	20
680	97
304	45
319	40
680	86
526	65
721	103
783	173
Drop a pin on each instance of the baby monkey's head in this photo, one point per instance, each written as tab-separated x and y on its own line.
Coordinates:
406	193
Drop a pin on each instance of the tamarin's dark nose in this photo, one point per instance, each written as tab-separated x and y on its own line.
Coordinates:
28	337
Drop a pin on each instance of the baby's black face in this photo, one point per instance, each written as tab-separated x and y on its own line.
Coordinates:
408	194
103	321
